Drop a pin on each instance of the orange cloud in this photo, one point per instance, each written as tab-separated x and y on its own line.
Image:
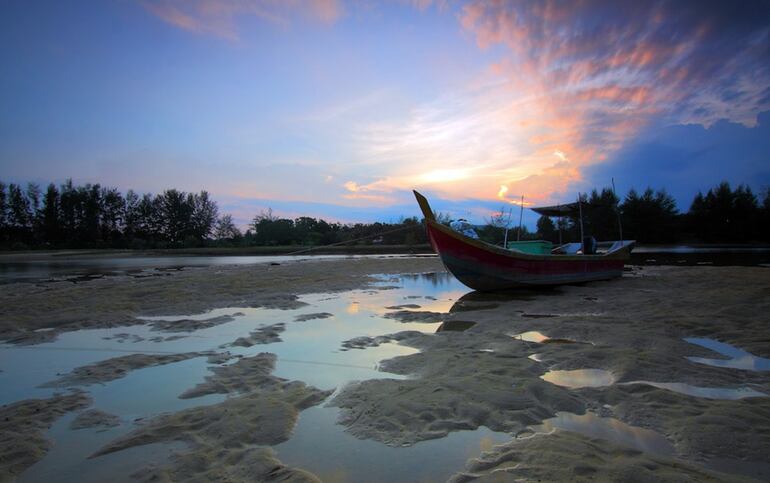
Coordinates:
579	89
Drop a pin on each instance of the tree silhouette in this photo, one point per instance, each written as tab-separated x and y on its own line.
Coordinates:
651	217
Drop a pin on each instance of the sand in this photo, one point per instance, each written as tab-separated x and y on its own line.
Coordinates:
22	429
94	418
118	301
364	341
567	456
633	328
263	335
424	316
229	441
314	316
117	367
191	325
473	373
247	374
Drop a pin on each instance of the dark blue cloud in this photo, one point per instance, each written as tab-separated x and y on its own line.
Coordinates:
684	159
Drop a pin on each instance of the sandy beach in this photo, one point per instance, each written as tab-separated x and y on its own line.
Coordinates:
619	380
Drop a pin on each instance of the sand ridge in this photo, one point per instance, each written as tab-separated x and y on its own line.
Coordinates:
94	418
117	367
22	429
229	440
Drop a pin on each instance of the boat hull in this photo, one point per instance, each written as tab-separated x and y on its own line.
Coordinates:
484	267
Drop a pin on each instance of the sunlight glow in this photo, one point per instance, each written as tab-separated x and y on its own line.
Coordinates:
443	175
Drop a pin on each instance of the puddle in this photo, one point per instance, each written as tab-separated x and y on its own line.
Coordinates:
531	336
350	459
609	429
580	378
540	338
730	394
737	358
309	350
68	459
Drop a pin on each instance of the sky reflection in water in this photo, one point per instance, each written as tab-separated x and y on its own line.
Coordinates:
310	351
609	429
737	358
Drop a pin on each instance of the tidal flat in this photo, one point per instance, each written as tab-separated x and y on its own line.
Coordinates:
384	369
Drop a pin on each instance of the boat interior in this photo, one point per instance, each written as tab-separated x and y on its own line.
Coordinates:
592	247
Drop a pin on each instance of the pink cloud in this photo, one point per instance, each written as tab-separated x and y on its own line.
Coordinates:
594	73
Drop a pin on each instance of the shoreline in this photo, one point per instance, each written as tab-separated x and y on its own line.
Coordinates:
645	255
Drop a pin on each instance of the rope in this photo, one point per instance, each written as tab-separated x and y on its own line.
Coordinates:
95	349
351	241
92	349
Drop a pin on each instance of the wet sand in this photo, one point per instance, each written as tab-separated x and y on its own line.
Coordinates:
482	374
32	313
22	429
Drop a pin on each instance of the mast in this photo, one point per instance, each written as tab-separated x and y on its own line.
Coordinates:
521	215
617	212
582	238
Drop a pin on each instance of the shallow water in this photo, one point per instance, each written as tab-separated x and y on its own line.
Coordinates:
348	459
726	393
310	351
531	336
81	268
580	378
609	429
737	358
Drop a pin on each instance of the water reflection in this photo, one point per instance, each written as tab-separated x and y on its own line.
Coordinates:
437	279
609	429
320	446
704	392
531	336
738	358
82	267
309	351
455	325
580	378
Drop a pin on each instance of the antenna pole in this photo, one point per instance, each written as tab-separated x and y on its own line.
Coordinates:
582	239
617	212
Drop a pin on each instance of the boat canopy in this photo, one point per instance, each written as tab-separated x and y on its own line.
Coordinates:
569	209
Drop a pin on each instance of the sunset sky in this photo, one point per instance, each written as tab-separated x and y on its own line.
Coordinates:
338	109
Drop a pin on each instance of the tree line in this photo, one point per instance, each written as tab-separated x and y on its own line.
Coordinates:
722	215
93	216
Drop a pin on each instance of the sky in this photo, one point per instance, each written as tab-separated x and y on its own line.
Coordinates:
339	108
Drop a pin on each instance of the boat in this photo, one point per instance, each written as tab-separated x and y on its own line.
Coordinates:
486	267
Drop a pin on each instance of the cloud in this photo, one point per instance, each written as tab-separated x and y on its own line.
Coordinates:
592	75
685	159
219	17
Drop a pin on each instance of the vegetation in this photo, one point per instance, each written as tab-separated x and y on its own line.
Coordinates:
722	215
92	216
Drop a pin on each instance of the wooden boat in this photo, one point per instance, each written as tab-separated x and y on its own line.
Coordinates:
485	267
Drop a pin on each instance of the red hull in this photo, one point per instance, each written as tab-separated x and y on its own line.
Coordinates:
485	267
